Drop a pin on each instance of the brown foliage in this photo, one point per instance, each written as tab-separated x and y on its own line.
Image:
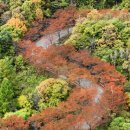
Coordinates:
72	113
89	74
113	13
63	18
98	88
14	123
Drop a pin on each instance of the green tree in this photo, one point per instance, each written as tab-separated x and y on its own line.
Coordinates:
6	46
120	123
6	97
52	91
125	4
6	69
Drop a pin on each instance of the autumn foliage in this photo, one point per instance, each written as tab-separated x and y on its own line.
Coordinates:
64	18
14	123
61	19
95	83
17	23
97	87
113	13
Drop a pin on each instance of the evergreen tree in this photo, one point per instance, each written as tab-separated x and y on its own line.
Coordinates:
6	96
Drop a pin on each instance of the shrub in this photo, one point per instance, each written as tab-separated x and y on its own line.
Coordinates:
14	122
52	91
6	16
94	15
109	35
15	33
6	97
39	14
24	113
18	24
120	123
23	102
6	46
125	4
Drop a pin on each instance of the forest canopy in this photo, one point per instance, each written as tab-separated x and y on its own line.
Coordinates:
80	82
